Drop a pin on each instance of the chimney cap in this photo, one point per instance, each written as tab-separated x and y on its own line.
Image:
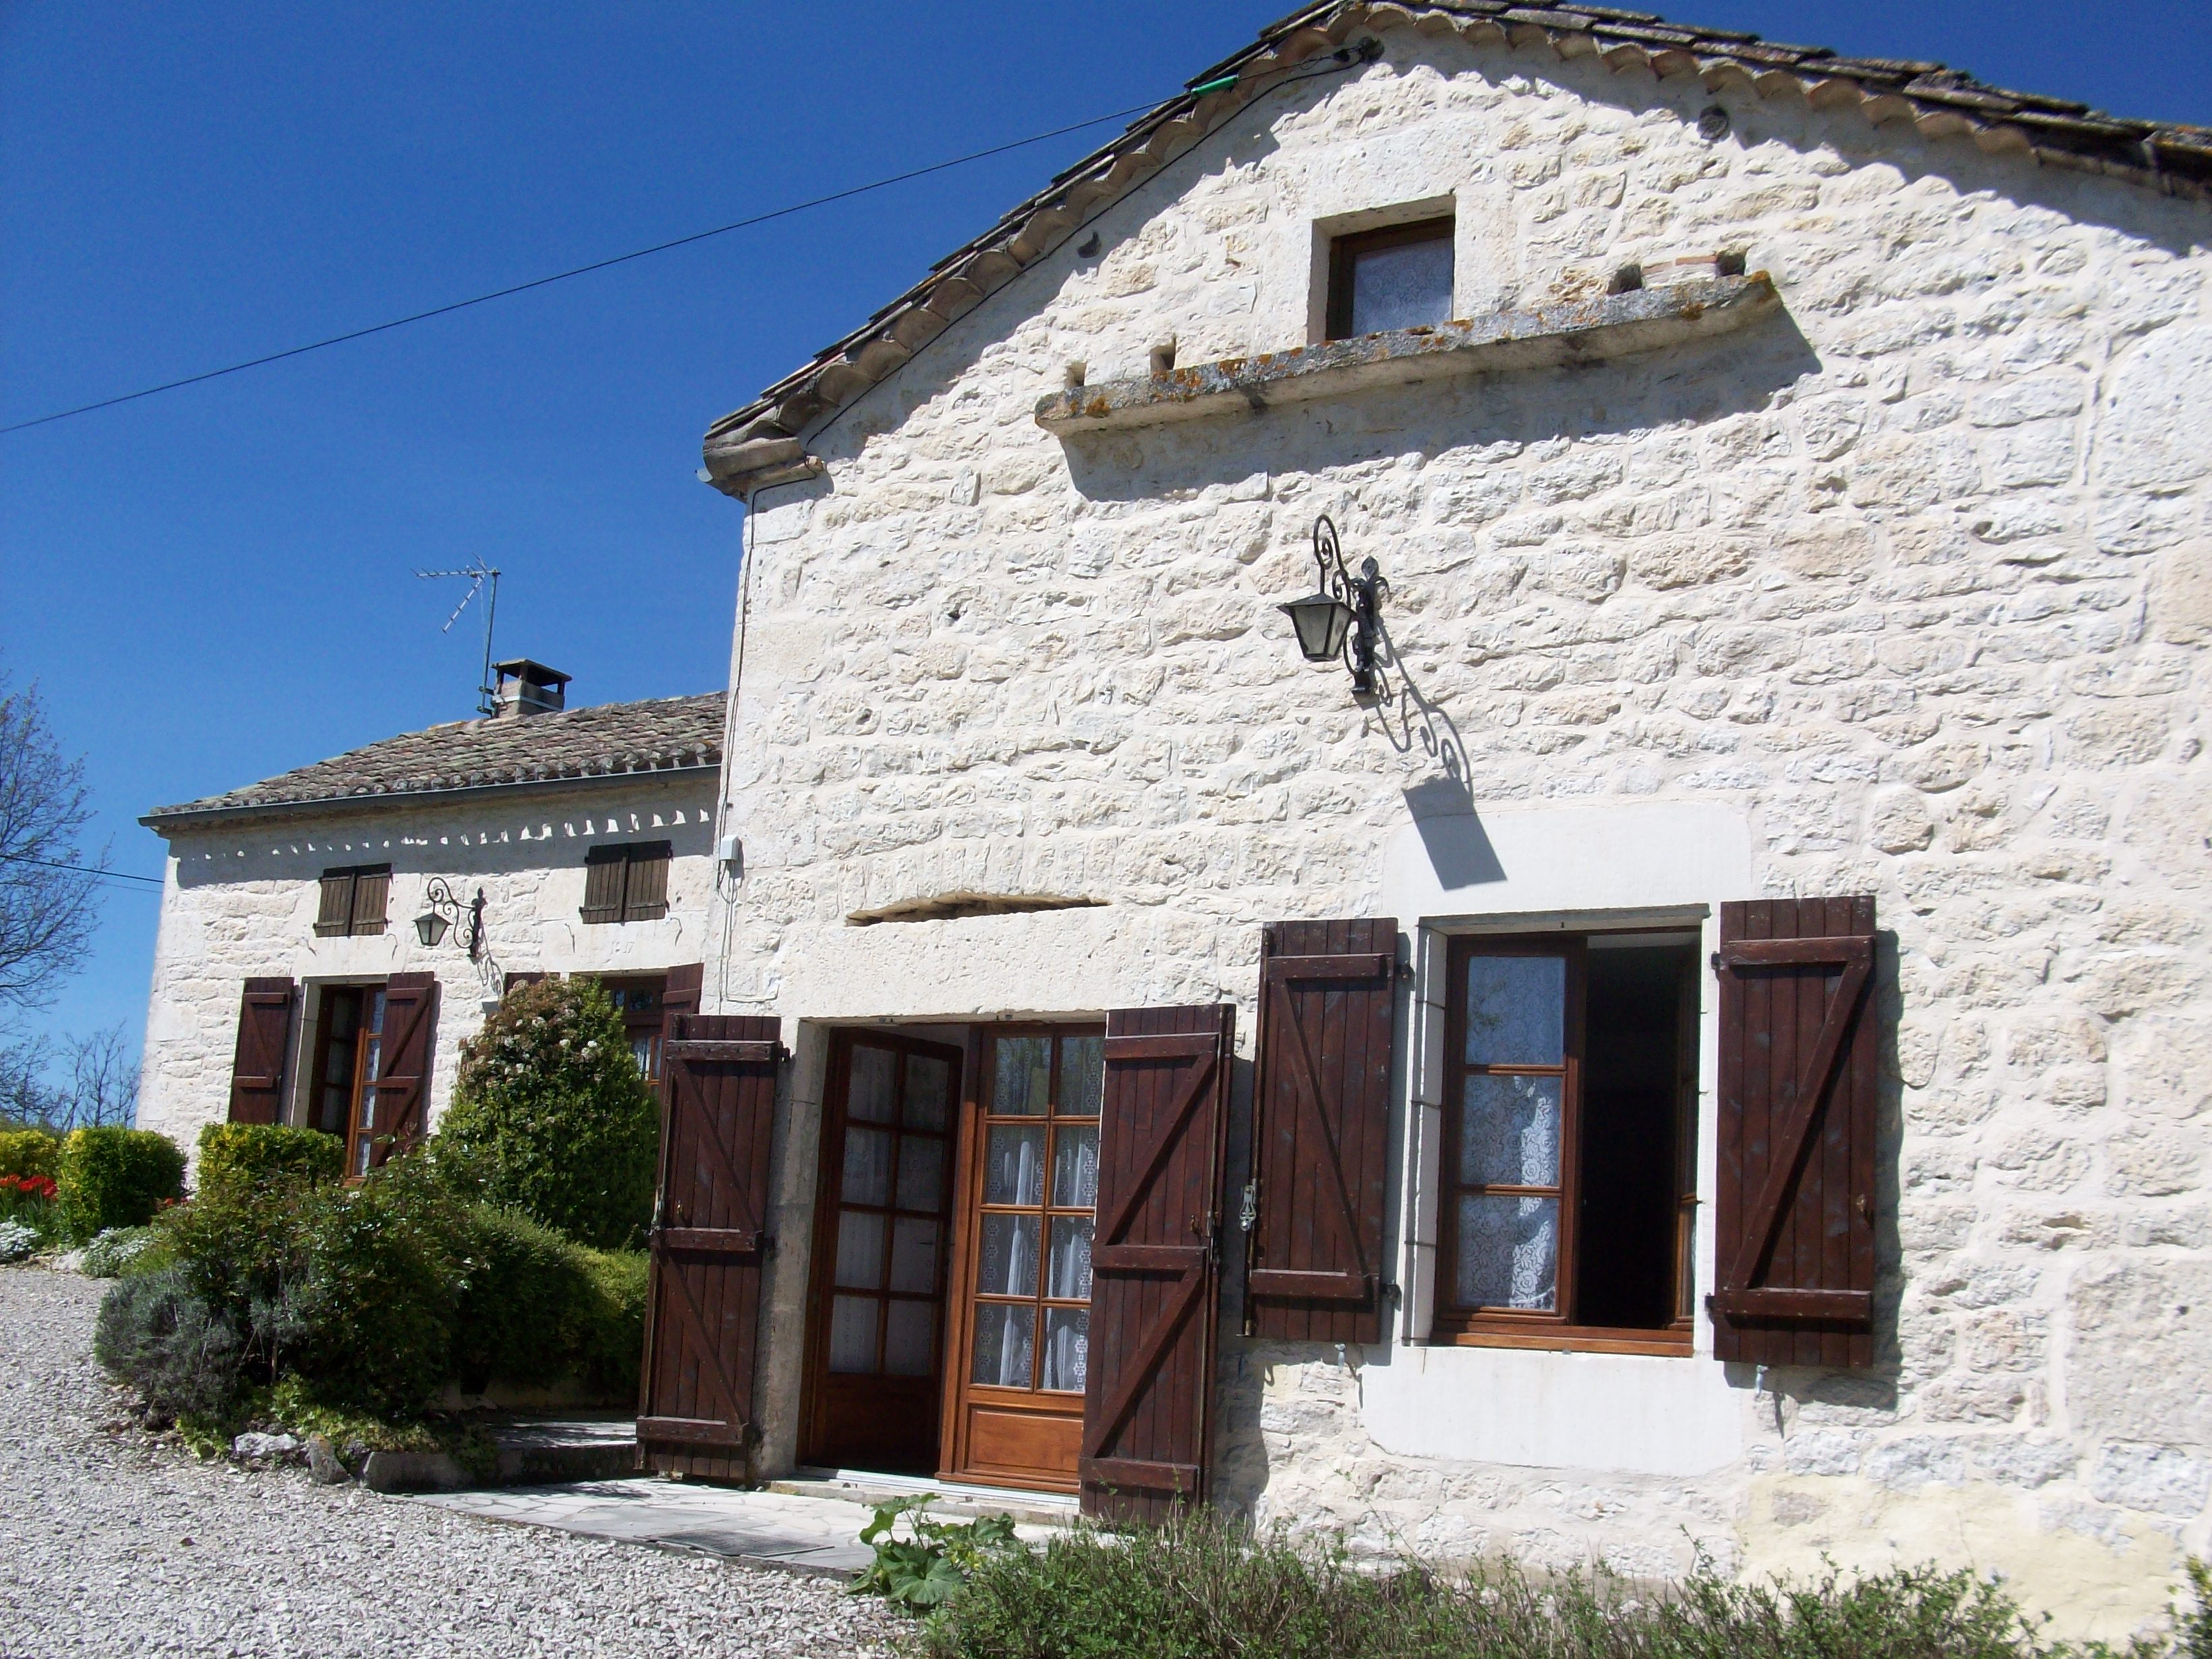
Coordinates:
531	673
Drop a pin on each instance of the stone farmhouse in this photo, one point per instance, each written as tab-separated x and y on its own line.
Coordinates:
328	937
1659	1010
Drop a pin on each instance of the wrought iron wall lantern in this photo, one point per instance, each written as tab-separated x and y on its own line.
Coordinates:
1338	618
444	909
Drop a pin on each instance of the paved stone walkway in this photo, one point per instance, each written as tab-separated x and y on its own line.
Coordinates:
761	1529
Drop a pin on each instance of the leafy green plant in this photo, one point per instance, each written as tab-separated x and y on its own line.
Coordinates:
238	1158
926	1568
31	1151
551	1118
114	1177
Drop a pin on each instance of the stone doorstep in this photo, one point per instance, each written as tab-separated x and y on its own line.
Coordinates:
531	1453
1031	1509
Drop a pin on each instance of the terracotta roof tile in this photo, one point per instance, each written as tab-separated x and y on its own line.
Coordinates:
611	739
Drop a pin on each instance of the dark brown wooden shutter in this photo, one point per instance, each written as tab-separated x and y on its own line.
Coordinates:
1317	1268
680	995
372	890
645	897
402	1074
718	1077
264	1040
1155	1260
1798	1107
603	868
514	980
334	914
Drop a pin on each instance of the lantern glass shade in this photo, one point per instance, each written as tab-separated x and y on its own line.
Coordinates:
1322	623
430	928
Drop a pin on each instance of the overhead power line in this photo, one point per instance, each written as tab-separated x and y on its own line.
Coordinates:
80	869
595	265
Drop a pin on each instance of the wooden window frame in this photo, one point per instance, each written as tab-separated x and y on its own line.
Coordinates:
972	1209
1555	1328
644	881
1344	253
362	882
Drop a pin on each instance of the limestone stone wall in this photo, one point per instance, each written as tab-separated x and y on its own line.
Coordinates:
240	902
1910	586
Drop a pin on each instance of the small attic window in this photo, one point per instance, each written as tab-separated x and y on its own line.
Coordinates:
1380	280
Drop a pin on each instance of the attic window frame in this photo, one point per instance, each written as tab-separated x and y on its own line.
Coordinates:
1344	252
639	881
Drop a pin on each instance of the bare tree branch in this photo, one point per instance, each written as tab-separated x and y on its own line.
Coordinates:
47	915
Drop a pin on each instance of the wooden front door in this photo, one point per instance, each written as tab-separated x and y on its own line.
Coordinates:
882	1217
1030	1190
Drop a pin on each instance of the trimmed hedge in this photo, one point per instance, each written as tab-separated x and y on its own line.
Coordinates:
236	1158
551	1118
115	1177
29	1152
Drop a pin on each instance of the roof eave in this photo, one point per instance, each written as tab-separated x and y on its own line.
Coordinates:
163	820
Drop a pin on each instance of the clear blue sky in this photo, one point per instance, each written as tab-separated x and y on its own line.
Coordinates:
213	585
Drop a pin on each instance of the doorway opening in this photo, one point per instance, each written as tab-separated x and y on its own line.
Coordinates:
949	1318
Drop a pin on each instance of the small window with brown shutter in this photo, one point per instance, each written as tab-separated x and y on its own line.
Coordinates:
353	901
1566	1209
627	882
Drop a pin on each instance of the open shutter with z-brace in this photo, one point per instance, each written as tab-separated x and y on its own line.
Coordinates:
718	1076
402	1074
1155	1260
1798	1114
1321	1131
265	1038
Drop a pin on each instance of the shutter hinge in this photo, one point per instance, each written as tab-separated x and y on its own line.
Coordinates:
1717	962
767	1244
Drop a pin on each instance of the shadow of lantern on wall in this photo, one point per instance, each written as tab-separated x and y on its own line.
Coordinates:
1337	619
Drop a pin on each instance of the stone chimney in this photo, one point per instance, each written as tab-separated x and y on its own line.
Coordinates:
522	688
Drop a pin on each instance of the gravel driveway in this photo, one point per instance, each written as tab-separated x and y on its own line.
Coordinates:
113	1545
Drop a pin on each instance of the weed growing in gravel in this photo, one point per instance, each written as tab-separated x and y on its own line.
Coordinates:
1206	1588
935	1559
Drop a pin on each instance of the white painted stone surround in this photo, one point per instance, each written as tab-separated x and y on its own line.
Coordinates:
1905	593
240	901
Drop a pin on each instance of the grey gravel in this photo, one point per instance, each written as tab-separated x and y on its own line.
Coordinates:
111	1544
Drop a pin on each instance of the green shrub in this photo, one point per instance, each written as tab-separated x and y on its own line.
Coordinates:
238	1157
551	1118
183	1356
525	1297
1204	1587
114	1177
28	1151
375	1300
536	1309
611	1346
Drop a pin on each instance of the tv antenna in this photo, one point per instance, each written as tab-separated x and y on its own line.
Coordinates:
479	577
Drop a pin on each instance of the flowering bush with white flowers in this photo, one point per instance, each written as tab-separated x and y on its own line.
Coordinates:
550	1117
